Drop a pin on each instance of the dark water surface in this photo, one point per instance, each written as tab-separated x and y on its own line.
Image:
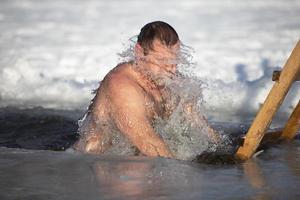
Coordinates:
27	172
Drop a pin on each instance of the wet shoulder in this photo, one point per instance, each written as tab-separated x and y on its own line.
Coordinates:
119	72
121	80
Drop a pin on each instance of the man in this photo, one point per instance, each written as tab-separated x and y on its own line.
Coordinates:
131	96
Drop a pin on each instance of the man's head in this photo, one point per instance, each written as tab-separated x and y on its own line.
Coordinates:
159	31
158	43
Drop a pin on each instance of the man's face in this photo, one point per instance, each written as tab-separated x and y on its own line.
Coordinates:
162	59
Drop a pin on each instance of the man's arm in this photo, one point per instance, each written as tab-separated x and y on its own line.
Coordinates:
91	139
129	113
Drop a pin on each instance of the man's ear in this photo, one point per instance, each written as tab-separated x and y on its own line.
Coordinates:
138	51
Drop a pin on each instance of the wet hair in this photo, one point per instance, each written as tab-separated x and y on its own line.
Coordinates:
159	30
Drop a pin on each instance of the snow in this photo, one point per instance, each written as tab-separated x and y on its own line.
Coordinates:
53	53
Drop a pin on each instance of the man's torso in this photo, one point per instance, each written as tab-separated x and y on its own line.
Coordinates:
108	139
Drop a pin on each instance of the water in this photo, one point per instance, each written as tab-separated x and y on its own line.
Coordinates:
29	172
187	134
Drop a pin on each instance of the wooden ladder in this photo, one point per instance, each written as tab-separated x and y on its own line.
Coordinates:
283	81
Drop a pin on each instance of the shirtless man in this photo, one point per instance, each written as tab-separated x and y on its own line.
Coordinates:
130	99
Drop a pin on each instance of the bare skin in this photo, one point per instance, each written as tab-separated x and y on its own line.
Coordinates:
131	100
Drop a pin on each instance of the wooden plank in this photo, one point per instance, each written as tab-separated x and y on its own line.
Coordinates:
271	105
276	75
293	124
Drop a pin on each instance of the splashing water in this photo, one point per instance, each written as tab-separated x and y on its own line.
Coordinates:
185	140
186	137
110	136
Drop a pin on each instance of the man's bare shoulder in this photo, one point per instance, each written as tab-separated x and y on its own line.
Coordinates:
119	75
121	82
121	71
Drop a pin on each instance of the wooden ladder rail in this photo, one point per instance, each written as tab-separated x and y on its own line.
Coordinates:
263	119
292	126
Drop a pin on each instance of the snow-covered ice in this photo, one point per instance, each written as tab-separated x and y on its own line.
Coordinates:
53	53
